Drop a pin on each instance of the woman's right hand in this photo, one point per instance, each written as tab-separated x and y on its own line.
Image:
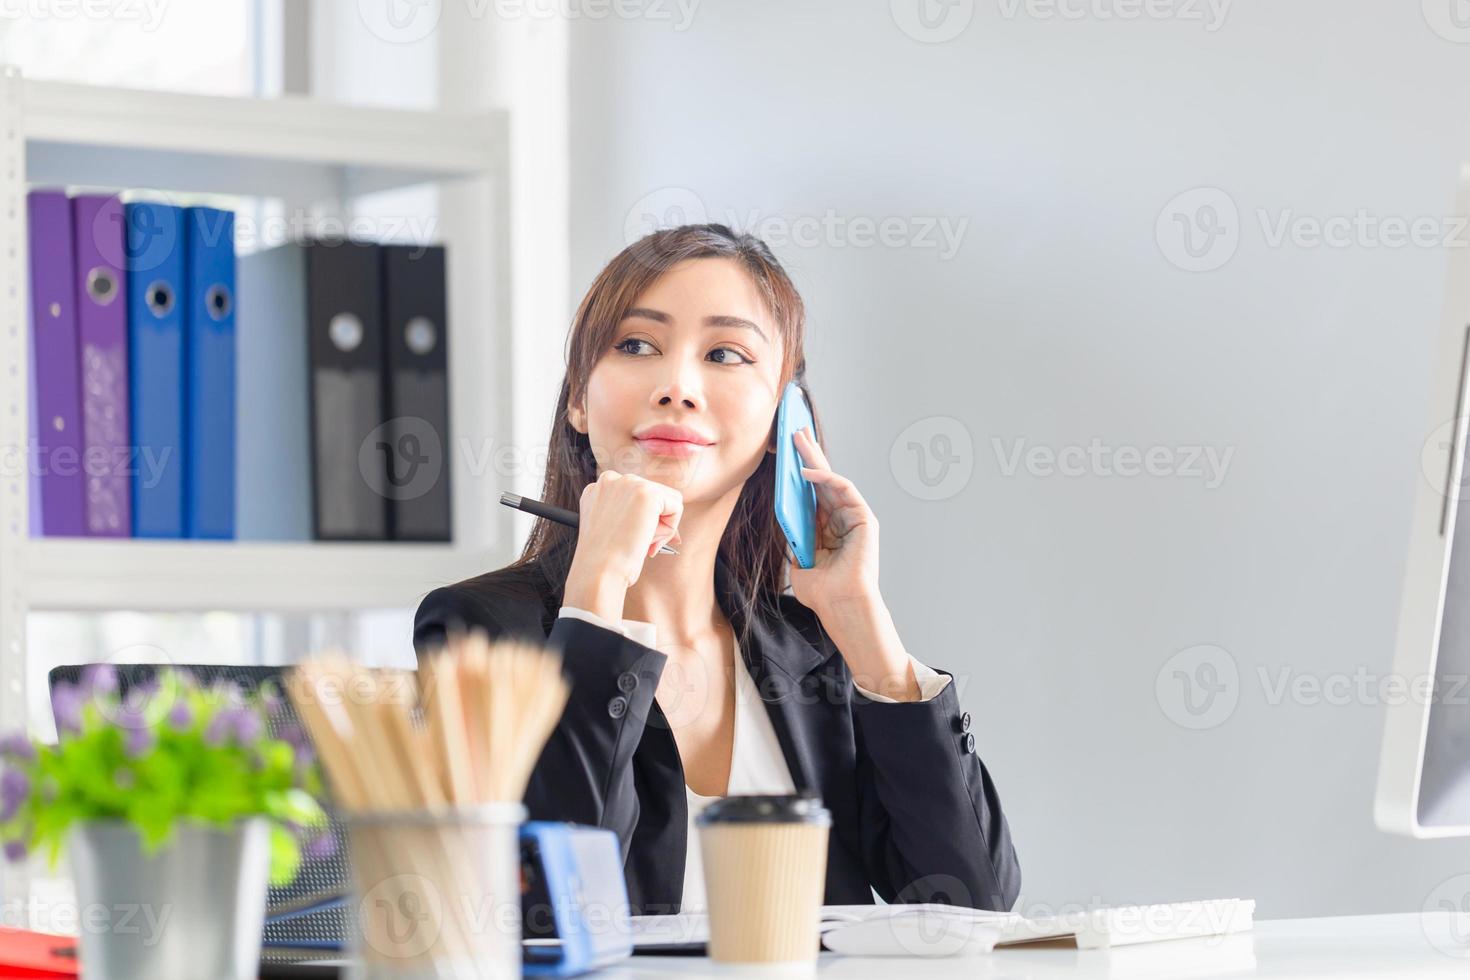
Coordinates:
624	519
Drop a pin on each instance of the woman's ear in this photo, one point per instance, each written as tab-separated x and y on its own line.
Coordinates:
578	418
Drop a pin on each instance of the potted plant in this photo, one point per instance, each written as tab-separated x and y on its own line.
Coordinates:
176	810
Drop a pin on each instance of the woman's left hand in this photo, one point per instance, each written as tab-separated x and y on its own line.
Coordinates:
846	567
842	586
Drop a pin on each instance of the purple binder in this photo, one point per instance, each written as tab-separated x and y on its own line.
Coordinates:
102	327
56	404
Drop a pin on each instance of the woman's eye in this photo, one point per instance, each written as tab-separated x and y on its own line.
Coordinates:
726	360
622	345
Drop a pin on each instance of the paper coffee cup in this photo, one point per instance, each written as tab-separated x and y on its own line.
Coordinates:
765	870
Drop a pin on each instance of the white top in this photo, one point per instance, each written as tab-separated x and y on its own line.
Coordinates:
756	766
756	762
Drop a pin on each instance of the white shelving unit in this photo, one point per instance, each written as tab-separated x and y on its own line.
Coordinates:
82	134
55	134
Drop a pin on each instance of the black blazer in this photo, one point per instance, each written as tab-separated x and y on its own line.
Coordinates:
914	812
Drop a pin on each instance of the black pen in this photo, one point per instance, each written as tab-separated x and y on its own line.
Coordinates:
552	513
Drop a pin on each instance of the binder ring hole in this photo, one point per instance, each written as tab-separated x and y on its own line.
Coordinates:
160	298
101	285
420	335
218	302
345	332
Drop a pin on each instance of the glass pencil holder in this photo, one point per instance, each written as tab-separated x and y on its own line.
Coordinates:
436	893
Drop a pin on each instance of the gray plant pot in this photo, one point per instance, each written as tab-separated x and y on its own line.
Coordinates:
193	909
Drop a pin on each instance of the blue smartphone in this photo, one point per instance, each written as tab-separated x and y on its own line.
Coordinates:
796	498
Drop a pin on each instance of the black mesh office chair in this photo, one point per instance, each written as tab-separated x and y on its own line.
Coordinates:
299	937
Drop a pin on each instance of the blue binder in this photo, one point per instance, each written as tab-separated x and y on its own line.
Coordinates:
272	397
155	291
209	482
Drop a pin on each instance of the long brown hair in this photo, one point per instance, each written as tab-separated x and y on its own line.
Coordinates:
752	548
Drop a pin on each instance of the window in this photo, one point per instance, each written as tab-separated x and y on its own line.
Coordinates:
207	46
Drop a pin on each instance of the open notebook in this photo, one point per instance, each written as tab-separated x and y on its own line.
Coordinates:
1090	929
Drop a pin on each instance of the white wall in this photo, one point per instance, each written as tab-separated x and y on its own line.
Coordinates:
1059	599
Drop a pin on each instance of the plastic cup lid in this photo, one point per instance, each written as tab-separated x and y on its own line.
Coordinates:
797	808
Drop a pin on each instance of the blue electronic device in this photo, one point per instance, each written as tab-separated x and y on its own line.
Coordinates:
574	905
574	899
796	498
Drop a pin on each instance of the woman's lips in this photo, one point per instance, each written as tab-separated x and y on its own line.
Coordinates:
670	447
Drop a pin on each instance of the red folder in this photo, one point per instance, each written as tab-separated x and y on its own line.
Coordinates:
36	955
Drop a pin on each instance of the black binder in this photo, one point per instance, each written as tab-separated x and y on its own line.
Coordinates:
349	471
416	382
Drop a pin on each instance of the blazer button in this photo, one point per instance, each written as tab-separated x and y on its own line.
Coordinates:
965	722
969	742
618	707
627	681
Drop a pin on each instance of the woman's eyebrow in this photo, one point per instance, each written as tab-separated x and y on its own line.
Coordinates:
659	316
645	313
735	321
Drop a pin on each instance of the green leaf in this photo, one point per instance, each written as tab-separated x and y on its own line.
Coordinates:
285	855
297	806
153	818
88	775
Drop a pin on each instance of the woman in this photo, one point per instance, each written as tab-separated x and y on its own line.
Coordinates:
693	676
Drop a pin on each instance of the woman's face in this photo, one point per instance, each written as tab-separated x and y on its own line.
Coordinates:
698	352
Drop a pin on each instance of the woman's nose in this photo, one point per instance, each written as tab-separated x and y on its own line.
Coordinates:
681	386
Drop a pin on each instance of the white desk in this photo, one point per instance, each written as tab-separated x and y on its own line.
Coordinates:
1377	946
